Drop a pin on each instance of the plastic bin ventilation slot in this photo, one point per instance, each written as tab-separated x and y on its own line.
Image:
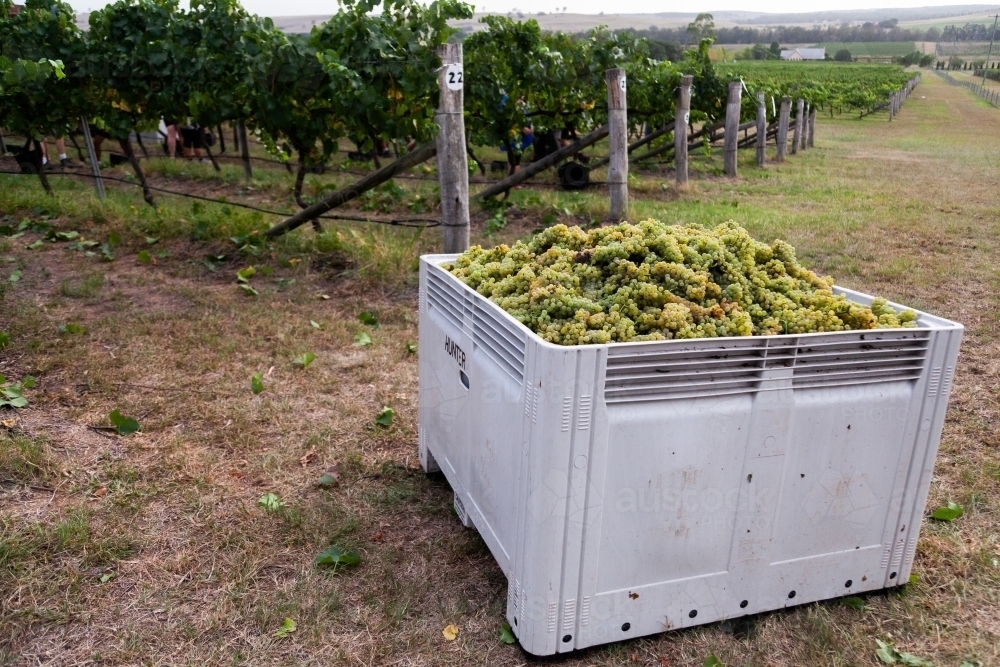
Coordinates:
631	488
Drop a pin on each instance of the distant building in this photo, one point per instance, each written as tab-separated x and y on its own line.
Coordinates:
14	10
803	54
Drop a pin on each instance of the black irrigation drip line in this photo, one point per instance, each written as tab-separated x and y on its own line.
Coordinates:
397	222
472	181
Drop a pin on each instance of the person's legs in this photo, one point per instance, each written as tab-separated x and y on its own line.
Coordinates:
45	151
61	149
172	140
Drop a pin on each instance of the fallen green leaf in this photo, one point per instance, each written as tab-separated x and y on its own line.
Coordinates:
18	402
507	634
314	324
411	348
29	382
914	661
712	661
914	578
36	245
950	512
107	252
4	339
107	576
257	383
334	557
15	276
886	653
144	257
124	425
287	627
151	240
71	328
368	318
327	480
249	289
303	360
854	602
363	339
244	275
270	502
384	417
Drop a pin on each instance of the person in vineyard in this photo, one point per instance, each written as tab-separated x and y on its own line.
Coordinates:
172	136
192	140
514	157
60	142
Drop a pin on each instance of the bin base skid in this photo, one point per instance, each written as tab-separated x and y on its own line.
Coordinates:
688	602
632	488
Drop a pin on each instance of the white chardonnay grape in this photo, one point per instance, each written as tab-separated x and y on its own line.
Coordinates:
653	281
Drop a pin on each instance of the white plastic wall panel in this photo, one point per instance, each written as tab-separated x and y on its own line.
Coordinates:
628	489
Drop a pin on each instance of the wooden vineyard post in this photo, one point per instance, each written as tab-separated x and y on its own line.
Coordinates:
453	165
731	138
786	107
812	126
681	129
618	139
797	133
805	127
241	131
92	158
761	129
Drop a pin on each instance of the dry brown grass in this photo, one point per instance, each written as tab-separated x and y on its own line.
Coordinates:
152	550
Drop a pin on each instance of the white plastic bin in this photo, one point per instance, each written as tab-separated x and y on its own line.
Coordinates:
631	488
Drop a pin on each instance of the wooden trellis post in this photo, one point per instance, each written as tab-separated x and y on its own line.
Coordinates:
681	129
761	129
453	166
782	138
618	139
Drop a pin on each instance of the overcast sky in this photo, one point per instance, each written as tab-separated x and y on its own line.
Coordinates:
302	7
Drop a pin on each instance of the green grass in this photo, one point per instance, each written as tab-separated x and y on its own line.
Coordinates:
22	458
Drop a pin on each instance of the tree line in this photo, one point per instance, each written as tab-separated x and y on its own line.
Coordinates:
885	31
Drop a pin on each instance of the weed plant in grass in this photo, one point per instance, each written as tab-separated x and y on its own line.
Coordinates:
23	458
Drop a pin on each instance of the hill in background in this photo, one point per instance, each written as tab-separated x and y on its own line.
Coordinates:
923	17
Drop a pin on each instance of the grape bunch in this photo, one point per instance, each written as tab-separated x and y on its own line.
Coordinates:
653	281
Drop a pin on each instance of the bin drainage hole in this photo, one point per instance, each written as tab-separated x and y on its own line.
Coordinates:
692	613
749	477
567	639
626	626
515	620
791	595
892	576
464	378
743	605
848	583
